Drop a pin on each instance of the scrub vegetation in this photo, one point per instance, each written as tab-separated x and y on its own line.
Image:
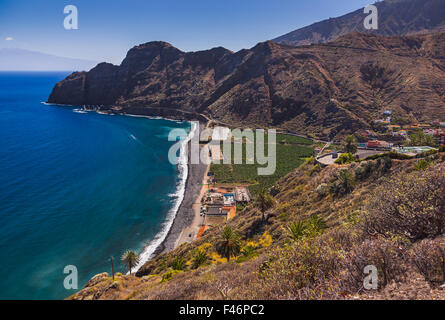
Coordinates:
313	240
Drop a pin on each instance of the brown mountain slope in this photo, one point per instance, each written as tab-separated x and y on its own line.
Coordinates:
396	17
323	90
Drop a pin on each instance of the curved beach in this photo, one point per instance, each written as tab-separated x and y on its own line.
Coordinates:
181	215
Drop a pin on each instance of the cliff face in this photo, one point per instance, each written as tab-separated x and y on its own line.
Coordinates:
325	89
396	17
152	74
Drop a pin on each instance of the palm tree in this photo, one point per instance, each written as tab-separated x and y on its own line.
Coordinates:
130	258
199	259
249	251
318	224
229	243
346	180
350	144
264	201
297	230
179	263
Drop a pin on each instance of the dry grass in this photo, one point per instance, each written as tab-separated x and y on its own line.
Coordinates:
321	265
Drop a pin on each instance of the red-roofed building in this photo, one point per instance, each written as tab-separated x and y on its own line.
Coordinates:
378	144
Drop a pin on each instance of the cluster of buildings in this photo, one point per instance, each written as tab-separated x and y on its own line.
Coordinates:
375	146
435	129
387	118
219	203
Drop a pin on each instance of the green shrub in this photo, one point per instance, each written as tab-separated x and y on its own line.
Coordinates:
343	183
178	264
345	158
283	216
427	153
386	255
364	171
169	275
312	227
305	269
422	164
392	155
351	145
409	205
240	207
310	160
316	225
247	253
200	258
385	163
429	258
322	190
297	230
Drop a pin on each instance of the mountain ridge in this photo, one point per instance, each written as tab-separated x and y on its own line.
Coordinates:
14	59
324	90
396	17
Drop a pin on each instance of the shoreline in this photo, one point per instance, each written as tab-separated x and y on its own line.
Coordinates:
186	217
178	214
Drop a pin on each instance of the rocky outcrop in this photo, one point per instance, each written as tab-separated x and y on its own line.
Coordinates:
325	90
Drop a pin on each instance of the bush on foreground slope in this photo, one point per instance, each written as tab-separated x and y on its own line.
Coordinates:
283	258
410	205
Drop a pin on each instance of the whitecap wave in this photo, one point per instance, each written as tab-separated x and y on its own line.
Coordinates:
152	117
79	111
148	251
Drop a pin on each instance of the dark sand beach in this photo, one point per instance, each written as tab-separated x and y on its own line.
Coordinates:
185	215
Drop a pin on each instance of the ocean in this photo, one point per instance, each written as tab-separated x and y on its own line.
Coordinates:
76	188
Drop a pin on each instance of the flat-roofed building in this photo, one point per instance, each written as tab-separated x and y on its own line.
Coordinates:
242	195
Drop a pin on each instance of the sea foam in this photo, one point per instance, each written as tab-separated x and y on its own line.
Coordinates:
149	250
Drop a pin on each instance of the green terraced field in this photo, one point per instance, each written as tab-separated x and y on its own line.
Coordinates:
290	154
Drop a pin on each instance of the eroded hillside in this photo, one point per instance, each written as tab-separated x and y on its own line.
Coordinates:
320	90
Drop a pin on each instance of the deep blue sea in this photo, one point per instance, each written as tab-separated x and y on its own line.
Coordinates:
75	188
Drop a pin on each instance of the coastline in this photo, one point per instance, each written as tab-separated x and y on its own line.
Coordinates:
178	214
181	220
185	215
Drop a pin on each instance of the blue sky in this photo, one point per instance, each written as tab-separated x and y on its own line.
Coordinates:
108	28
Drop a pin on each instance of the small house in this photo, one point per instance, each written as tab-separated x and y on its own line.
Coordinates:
229	199
379	144
220	134
214	210
242	195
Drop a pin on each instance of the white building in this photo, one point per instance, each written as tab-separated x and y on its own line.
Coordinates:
221	134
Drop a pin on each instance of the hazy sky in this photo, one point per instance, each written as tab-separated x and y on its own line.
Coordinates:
108	28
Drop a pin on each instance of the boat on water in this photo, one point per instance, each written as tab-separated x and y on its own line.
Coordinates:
79	111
